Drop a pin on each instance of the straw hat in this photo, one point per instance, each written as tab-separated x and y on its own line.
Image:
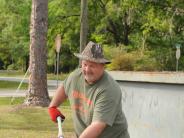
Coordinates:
93	52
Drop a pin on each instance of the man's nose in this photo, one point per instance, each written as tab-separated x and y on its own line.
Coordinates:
87	68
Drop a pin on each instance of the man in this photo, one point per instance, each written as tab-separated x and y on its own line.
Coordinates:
95	98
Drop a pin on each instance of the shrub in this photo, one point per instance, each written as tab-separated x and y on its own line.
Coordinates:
13	67
146	64
124	61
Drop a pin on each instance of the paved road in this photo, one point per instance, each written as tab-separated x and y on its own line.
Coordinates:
19	79
21	93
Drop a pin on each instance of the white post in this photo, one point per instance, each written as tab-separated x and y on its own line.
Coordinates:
58	46
178	53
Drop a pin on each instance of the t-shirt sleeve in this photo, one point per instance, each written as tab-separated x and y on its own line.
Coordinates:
65	85
105	109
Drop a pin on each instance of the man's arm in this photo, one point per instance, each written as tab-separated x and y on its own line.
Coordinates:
59	97
94	130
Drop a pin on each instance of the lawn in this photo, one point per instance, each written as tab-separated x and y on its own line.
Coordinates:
12	85
11	73
18	121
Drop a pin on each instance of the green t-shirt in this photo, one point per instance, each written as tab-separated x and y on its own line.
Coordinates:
100	101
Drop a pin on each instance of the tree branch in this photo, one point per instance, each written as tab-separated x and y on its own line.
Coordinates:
67	16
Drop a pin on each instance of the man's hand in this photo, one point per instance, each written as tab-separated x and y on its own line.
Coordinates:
54	113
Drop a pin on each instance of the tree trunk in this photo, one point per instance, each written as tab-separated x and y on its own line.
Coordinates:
37	94
126	29
84	25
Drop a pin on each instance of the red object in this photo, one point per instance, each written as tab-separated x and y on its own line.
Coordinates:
54	113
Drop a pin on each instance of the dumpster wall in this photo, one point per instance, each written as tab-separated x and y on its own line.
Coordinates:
154	109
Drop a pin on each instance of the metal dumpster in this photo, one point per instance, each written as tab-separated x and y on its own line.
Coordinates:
154	109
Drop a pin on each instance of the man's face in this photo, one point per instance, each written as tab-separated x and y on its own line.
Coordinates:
92	71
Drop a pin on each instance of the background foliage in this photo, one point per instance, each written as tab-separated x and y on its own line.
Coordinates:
136	34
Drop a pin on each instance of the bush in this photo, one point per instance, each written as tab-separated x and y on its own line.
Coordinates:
112	51
124	61
12	67
181	64
146	64
132	60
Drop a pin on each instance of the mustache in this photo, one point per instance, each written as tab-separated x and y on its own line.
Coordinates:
89	75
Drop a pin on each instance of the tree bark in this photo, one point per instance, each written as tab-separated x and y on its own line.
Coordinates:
84	25
37	94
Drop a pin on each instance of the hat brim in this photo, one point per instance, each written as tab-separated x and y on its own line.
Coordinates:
101	60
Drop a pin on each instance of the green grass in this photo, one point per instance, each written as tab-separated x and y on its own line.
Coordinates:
12	85
6	100
18	121
20	100
9	73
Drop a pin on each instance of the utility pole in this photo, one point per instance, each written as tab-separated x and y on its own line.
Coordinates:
57	47
84	25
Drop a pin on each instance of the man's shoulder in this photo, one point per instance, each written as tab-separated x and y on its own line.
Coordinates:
109	84
76	72
109	79
73	77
